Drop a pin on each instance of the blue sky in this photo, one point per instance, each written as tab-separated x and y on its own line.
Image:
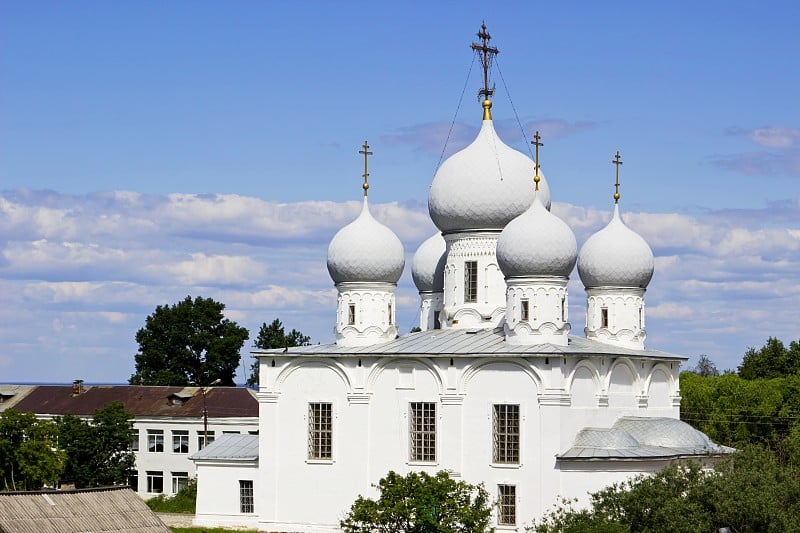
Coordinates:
150	150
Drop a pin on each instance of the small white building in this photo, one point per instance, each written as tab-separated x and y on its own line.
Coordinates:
494	389
168	422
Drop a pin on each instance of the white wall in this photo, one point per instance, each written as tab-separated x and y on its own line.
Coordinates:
218	502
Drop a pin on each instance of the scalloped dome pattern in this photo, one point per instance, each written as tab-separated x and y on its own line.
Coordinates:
484	186
427	267
537	243
365	251
616	256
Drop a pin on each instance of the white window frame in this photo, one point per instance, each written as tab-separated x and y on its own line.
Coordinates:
320	431
152	476
180	438
155	440
422	440
179	480
135	441
200	439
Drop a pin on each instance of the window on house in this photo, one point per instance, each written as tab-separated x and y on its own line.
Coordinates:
470	281
133	481
505	422
604	317
320	431
155	440
202	442
506	505
351	314
179	480
180	442
422	432
246	496
436	323
135	440
524	310
155	482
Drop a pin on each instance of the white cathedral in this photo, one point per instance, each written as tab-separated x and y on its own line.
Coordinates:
493	389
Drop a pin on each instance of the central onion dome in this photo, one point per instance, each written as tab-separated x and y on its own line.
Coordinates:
365	251
537	243
484	186
427	267
616	256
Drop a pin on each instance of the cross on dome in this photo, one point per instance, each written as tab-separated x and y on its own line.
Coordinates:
485	54
537	144
366	153
617	161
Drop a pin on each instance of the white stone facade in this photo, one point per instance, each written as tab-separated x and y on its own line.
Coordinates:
616	316
365	313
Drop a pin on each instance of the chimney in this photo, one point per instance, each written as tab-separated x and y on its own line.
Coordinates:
77	387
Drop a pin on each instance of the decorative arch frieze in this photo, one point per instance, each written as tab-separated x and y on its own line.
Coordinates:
472	369
382	363
337	369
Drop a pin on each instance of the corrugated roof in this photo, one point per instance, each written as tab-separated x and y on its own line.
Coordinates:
10	395
230	447
463	342
142	401
116	509
634	437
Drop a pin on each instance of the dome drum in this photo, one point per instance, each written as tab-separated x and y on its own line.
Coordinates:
537	311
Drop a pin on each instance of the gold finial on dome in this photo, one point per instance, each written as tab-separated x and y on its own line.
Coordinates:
617	161
537	144
485	53
366	153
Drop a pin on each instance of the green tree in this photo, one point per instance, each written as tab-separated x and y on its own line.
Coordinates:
29	458
188	343
705	367
773	360
98	453
274	336
421	503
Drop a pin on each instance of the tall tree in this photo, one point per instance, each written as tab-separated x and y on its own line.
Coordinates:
29	457
274	336
706	367
98	453
188	343
773	360
418	503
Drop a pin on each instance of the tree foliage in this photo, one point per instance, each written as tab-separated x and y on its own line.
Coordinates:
773	360
29	457
705	367
421	503
98	453
185	501
188	343
274	336
756	490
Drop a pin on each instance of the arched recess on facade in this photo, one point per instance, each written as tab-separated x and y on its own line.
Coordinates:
525	366
628	364
589	366
381	365
661	368
324	363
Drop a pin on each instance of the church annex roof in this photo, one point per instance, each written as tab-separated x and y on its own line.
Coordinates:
469	343
230	447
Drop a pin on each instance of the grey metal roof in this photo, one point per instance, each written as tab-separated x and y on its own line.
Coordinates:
634	437
230	447
465	342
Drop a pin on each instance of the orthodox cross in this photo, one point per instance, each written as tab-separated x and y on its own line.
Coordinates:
485	53
366	153
617	161
537	144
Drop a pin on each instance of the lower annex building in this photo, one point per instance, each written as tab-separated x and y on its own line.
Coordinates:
493	389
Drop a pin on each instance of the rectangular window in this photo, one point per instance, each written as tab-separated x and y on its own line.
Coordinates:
202	442
436	323
470	281
390	315
133	481
180	442
135	441
524	310
155	482
179	480
563	309
351	314
155	440
422	432
320	431
230	432
246	496
603	317
505	430
506	505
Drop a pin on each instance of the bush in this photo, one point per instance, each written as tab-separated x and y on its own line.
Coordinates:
183	502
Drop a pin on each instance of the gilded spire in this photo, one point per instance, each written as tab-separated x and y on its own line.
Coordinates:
617	162
485	53
366	153
537	144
